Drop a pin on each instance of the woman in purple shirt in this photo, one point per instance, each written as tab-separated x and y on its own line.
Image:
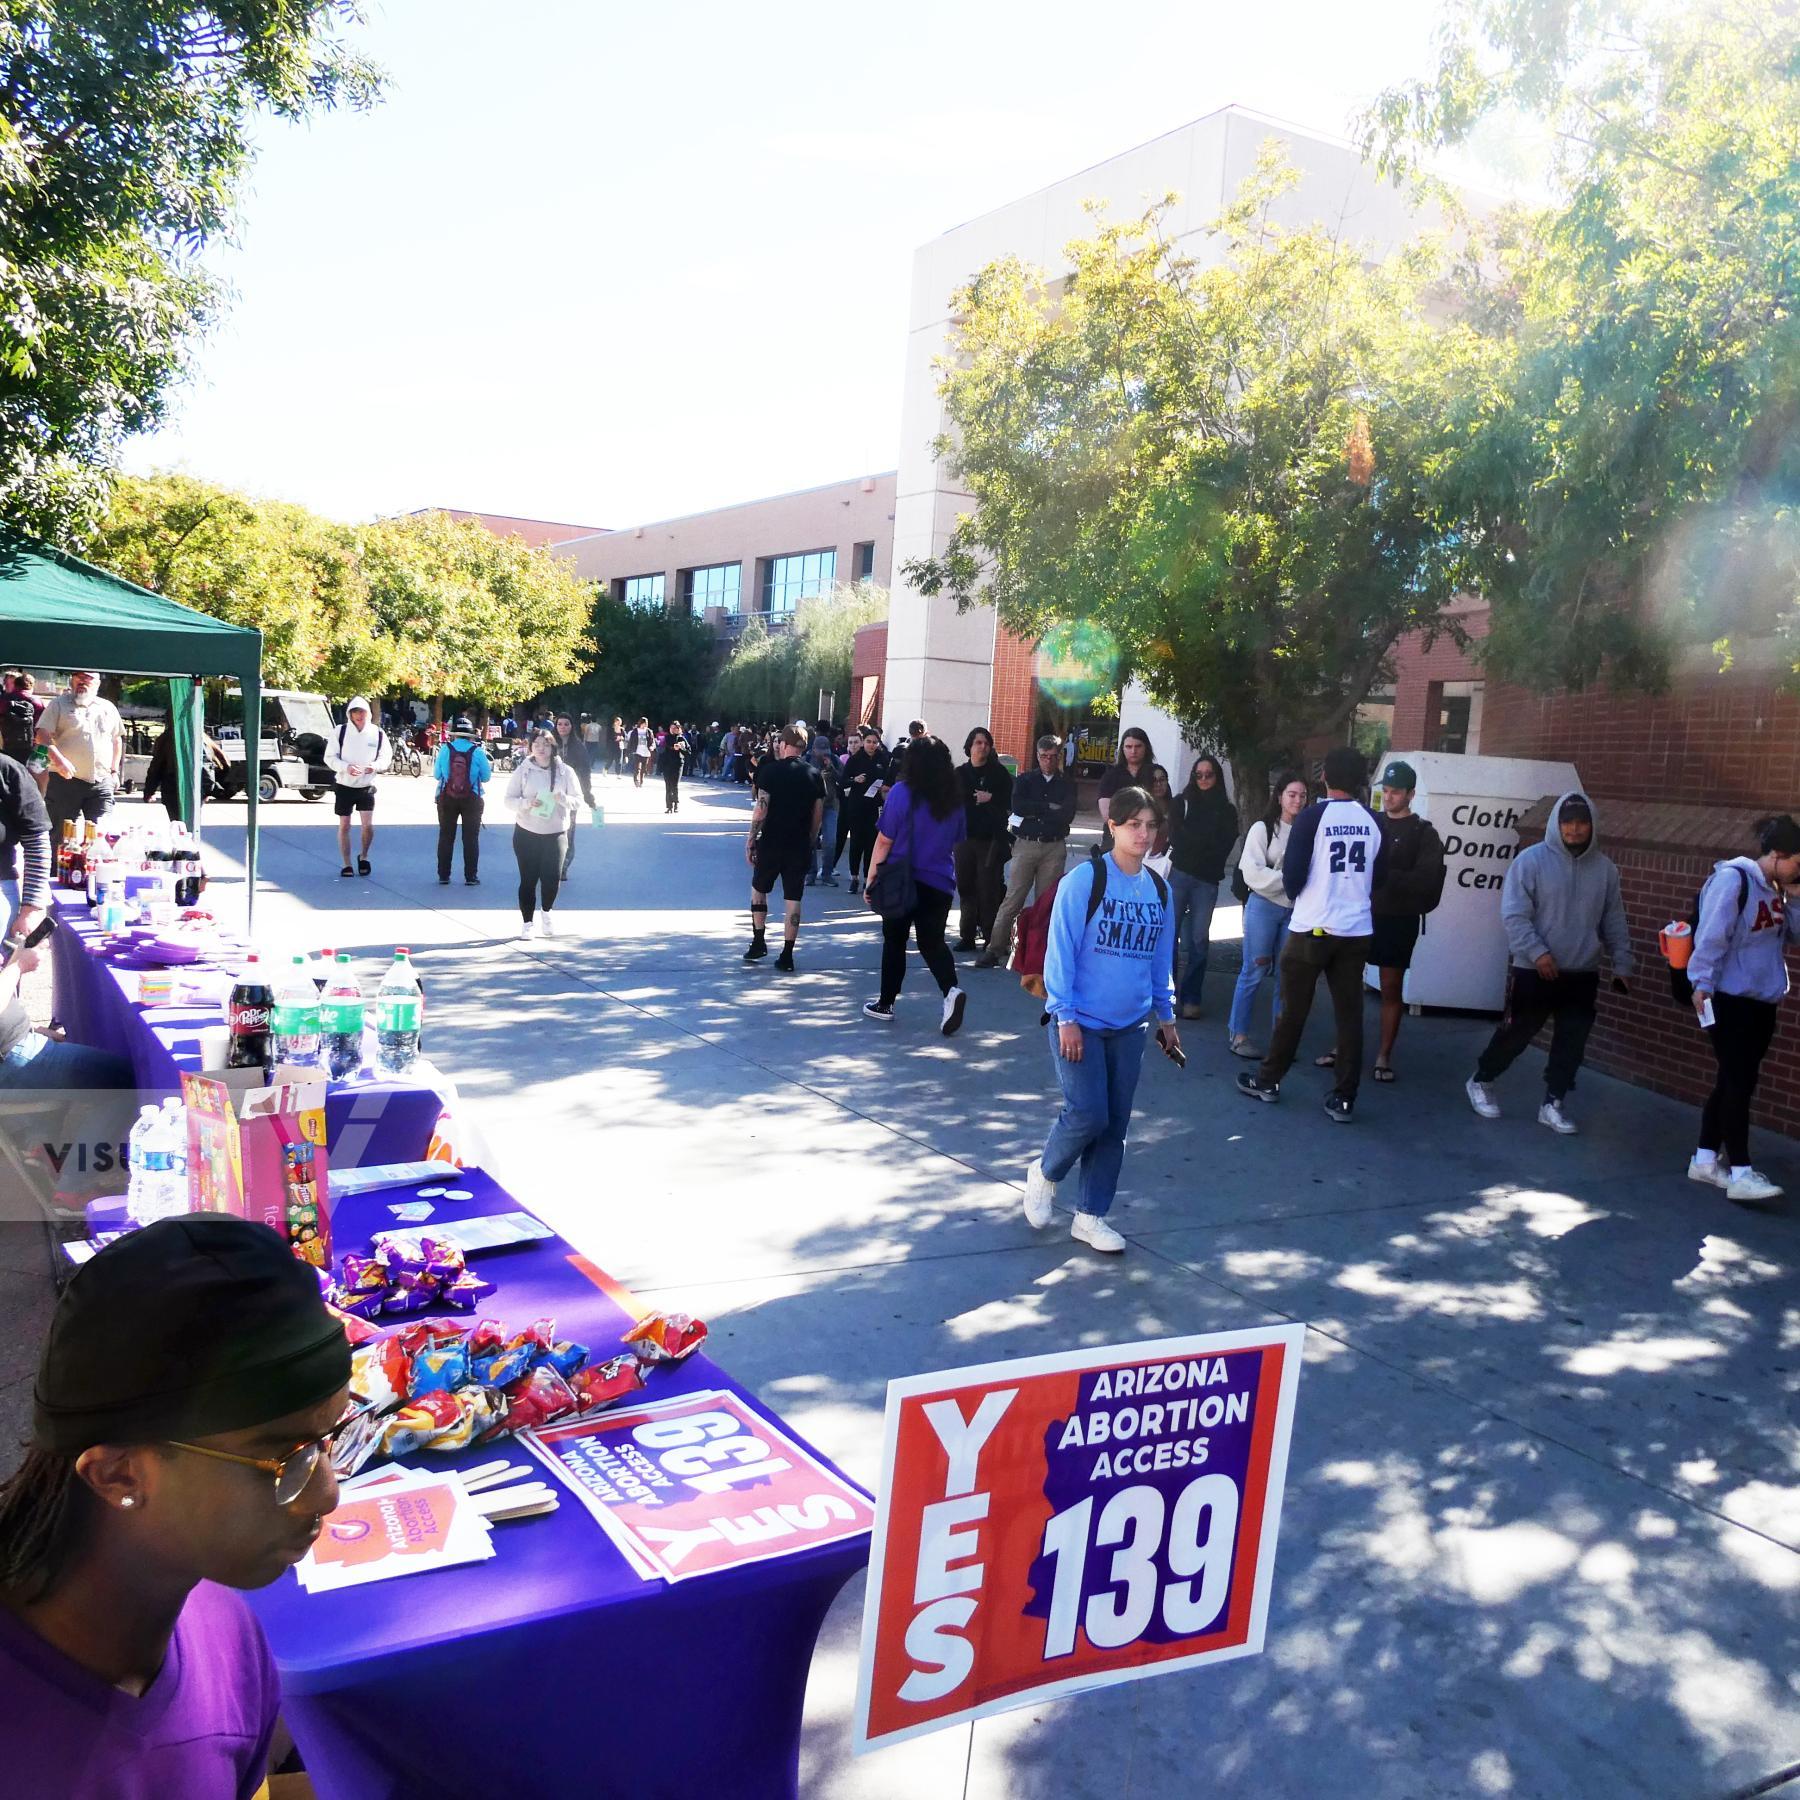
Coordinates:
185	1408
923	814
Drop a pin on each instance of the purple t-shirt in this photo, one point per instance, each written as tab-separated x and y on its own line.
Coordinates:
201	1729
931	843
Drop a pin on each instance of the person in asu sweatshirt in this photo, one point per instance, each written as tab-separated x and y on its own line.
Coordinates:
1107	972
1749	914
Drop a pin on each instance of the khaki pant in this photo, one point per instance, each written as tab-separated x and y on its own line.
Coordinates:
1034	864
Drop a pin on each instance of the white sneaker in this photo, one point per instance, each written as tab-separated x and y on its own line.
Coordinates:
1552	1114
1040	1196
1092	1230
1479	1098
527	929
1714	1173
954	1002
1751	1187
546	925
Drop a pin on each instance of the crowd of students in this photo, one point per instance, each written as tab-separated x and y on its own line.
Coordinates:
1330	887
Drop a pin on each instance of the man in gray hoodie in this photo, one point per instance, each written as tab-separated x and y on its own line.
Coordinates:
1560	906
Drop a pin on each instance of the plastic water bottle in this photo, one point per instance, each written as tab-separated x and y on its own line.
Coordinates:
151	1155
294	1017
176	1116
399	1016
341	1016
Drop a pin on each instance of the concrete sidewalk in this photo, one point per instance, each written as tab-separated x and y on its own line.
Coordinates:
1542	1533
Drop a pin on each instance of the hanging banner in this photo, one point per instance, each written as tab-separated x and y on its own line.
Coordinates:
1065	1522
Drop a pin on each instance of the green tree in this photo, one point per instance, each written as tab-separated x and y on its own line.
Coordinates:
1232	477
297	577
781	673
124	132
645	660
1632	484
465	613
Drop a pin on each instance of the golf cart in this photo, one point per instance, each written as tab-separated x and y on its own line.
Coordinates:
292	749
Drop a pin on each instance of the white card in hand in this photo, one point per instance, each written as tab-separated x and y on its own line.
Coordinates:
1015	821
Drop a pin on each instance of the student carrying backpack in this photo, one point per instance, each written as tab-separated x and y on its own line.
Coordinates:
462	769
1034	922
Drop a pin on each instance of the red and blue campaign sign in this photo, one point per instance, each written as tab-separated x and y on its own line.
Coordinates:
1065	1522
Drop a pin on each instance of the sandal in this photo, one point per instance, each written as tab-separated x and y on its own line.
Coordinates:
1381	1072
362	865
1327	1061
347	872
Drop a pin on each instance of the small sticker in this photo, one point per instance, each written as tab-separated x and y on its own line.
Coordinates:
431	1193
413	1212
458	1193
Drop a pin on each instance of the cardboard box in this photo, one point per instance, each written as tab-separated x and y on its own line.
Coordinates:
259	1151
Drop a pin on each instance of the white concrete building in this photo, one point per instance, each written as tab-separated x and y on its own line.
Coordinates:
941	664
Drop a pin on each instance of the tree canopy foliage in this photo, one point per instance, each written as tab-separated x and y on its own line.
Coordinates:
429	603
124	131
780	674
1237	474
647	661
1635	476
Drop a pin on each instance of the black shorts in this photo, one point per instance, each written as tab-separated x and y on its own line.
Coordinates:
1391	945
347	800
789	863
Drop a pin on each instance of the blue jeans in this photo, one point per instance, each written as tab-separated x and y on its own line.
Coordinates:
1096	1111
1191	903
825	851
1264	923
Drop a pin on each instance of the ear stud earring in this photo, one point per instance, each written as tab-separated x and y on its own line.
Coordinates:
128	1501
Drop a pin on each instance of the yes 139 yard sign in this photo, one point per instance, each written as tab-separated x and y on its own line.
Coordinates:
1065	1522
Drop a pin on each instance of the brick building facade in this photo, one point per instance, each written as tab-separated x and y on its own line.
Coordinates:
1677	780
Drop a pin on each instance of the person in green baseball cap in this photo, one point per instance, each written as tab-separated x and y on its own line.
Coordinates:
1411	884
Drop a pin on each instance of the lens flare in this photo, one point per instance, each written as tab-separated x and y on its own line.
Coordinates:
1078	662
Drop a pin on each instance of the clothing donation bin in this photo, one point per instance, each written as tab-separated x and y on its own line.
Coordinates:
1476	803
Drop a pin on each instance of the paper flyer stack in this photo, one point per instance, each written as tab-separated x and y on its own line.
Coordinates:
395	1521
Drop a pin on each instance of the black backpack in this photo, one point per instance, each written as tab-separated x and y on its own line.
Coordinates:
18	727
1680	987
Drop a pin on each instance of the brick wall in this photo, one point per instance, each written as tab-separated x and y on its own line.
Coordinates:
1725	740
1664	852
1416	669
868	657
1012	703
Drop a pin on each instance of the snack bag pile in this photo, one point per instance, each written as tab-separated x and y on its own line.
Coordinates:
437	1384
408	1272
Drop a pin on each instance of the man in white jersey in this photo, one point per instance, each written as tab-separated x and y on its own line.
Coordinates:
1333	861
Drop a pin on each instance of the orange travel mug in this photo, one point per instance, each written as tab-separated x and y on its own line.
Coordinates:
1677	941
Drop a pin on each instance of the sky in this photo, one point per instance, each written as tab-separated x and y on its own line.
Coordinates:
611	263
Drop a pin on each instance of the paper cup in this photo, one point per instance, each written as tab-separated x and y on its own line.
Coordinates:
215	1046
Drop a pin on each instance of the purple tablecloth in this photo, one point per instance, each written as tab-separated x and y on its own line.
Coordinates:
551	1669
366	1121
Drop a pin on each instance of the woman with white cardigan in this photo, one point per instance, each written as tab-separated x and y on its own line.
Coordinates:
543	794
1268	908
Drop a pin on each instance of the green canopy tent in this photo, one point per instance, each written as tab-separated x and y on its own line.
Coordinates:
59	612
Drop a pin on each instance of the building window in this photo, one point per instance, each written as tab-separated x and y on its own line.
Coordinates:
790	579
645	592
864	563
1453	717
717	586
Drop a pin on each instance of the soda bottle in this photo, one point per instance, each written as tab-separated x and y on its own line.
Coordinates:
294	1017
399	1015
65	853
248	1016
341	1015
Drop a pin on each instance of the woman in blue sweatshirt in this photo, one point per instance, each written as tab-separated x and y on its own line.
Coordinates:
1106	973
1749	914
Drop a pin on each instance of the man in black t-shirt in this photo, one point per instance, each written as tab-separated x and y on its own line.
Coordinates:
784	826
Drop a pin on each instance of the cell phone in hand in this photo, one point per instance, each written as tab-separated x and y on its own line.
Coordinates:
41	930
1175	1054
